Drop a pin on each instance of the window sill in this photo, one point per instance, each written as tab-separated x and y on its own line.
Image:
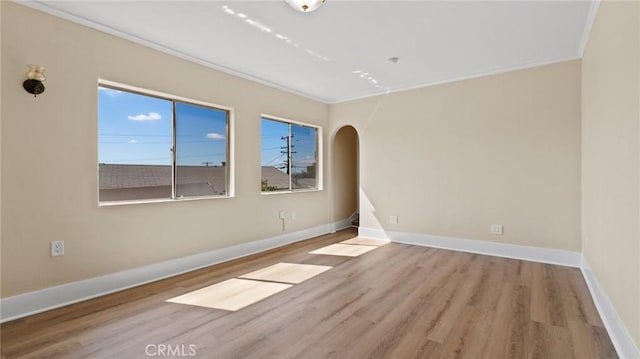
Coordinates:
163	200
269	193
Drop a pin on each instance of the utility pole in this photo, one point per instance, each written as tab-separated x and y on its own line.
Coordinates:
207	163
288	150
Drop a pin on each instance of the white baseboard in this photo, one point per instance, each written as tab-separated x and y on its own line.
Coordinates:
372	233
618	333
340	225
534	254
54	297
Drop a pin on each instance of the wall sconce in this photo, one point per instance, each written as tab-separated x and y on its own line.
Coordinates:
33	83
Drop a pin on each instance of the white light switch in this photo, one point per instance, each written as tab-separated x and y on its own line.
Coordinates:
393	219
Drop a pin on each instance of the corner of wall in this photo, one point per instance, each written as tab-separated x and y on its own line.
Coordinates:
593	10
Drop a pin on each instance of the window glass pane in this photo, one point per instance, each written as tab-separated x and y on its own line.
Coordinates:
201	151
289	156
134	146
275	163
303	156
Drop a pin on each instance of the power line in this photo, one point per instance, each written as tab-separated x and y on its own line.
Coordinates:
288	150
273	160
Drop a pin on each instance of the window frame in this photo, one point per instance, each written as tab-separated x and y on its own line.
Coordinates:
319	156
230	158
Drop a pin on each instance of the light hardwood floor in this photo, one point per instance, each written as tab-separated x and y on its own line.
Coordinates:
398	301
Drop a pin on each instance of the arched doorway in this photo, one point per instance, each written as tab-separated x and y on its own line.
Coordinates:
346	182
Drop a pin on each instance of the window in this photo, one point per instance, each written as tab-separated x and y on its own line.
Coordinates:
289	156
157	147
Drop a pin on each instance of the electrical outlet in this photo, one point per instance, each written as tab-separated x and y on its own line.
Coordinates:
393	219
281	215
57	248
496	229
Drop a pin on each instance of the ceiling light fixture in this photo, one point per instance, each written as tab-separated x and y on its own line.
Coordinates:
305	5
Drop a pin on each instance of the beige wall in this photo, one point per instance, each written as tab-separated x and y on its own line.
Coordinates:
453	159
611	157
49	158
345	175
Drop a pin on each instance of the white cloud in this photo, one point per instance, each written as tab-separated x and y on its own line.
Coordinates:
110	92
152	116
133	141
215	136
307	160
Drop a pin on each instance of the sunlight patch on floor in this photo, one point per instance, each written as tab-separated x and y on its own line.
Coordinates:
232	294
367	241
291	273
346	250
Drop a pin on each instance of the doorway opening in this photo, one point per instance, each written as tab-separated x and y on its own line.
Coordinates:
346	172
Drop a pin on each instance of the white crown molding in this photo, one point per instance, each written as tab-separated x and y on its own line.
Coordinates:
461	78
616	328
591	17
534	254
54	297
42	7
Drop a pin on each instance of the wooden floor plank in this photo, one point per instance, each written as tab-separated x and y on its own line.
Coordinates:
397	301
292	273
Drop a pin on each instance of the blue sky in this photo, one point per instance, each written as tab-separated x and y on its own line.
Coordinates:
136	129
304	144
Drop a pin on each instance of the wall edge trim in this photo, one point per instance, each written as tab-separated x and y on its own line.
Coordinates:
514	251
620	337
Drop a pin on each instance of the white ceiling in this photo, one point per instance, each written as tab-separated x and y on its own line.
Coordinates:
325	54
